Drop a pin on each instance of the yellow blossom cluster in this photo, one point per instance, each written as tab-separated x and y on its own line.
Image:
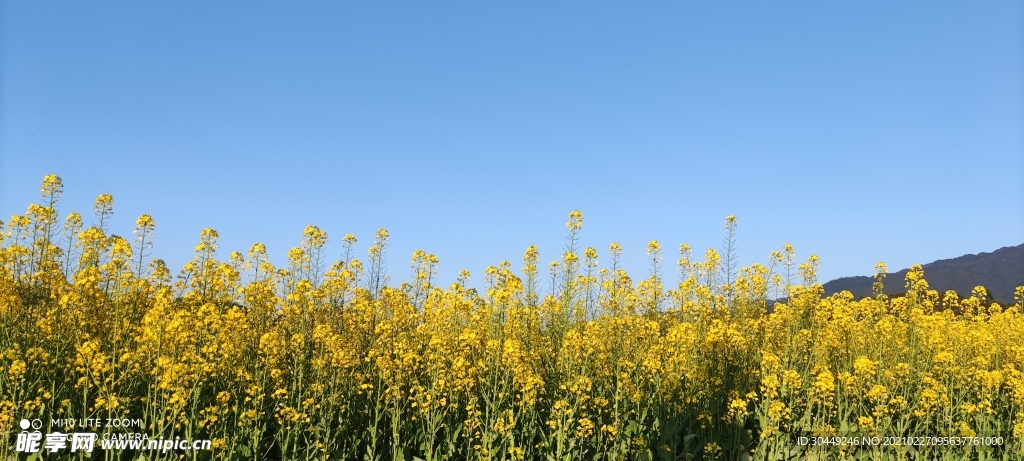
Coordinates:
319	360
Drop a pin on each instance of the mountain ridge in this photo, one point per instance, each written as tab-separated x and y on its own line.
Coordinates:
1000	272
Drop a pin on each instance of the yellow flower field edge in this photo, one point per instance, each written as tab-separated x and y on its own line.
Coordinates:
577	361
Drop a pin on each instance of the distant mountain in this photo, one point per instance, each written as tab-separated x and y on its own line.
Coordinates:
1000	272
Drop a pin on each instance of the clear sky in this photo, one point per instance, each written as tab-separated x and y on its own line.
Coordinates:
860	131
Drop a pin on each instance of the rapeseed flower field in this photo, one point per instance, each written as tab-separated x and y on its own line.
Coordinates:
581	361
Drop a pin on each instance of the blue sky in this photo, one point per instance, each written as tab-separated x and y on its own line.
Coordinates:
859	131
